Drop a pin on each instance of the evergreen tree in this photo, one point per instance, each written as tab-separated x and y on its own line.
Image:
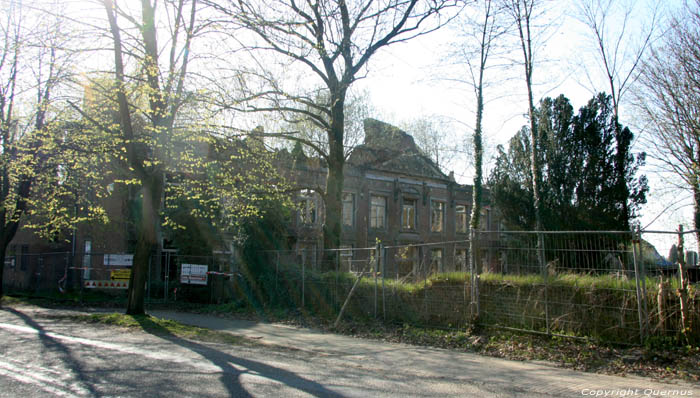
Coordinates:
580	181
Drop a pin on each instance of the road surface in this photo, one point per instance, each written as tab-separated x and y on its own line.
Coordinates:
42	355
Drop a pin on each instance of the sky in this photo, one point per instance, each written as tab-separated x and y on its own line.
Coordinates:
407	81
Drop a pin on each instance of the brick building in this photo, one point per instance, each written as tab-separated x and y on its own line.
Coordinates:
394	193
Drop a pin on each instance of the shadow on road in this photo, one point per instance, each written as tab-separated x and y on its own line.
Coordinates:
229	364
54	346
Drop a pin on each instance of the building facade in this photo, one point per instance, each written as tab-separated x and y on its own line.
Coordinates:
394	194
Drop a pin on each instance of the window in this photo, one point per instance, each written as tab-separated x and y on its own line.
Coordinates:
348	209
408	214
406	260
346	258
435	260
437	216
461	260
307	253
377	217
87	259
484	221
461	219
307	207
10	256
24	257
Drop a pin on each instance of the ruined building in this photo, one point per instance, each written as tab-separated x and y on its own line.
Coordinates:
393	193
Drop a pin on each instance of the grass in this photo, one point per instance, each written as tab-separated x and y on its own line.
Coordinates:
54	299
162	327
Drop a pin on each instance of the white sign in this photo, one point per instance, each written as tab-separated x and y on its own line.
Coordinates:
194	274
121	260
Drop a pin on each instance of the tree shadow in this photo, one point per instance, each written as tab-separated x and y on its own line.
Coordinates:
53	345
230	376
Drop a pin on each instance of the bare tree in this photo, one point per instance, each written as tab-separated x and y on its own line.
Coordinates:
484	29
620	49
332	41
358	107
523	14
669	100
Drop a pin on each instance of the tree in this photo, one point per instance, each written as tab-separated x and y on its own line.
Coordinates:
34	64
620	57
333	41
523	14
669	101
578	155
358	107
146	149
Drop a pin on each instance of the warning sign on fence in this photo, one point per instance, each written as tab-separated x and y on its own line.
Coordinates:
120	274
106	284
194	274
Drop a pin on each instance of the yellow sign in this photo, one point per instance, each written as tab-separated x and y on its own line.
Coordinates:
120	274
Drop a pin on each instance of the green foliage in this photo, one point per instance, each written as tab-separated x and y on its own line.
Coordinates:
579	155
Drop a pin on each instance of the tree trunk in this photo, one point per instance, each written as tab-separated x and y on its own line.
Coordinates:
476	194
334	184
152	190
9	230
696	211
3	251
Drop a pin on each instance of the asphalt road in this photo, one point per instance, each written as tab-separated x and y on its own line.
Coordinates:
46	356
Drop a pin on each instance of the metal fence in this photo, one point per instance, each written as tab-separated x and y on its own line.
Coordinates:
55	273
606	285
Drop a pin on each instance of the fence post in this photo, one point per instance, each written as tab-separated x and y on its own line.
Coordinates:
545	275
636	261
377	253
277	272
474	277
682	285
38	272
303	278
383	285
336	300
643	276
148	290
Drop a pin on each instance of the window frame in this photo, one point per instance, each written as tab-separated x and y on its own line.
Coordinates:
466	258
466	218
441	202
305	198
352	211
441	259
485	219
404	200
372	217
